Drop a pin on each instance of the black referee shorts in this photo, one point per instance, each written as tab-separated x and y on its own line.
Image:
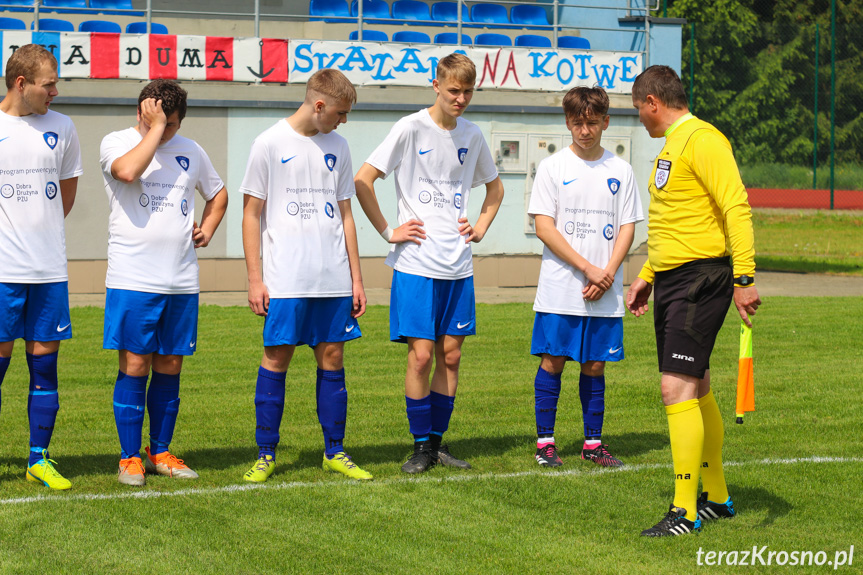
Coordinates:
690	305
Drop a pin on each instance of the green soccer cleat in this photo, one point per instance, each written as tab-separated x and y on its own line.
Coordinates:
44	472
261	470
341	463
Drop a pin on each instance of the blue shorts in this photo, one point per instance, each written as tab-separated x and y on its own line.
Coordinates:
579	338
310	321
35	312
427	308
146	323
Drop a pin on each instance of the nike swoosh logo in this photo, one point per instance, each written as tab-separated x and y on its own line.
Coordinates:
192	344
349	328
613	351
65	327
462	325
284	161
565	183
424	152
6	138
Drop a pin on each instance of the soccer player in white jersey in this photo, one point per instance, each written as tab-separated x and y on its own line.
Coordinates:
40	162
437	157
151	308
585	204
297	206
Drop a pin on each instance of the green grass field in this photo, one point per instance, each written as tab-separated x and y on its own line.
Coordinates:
783	176
794	467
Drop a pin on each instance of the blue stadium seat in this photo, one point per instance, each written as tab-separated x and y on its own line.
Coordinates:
411	37
447	12
12	24
492	15
533	41
21	5
59	5
370	36
529	16
53	25
373	9
491	39
409	11
452	38
330	8
141	28
576	42
109	7
99	26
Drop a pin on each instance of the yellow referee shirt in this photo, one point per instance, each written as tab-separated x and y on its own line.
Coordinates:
699	208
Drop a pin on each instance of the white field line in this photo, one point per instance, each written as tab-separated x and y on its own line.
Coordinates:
397	480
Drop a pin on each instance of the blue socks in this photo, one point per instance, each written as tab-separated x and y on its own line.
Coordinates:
163	405
269	406
441	412
42	404
546	389
419	417
332	401
591	390
129	400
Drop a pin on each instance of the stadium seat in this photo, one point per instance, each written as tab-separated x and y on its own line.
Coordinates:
330	8
411	37
12	24
452	38
529	16
370	36
376	9
59	5
409	11
99	26
141	28
19	5
491	15
53	25
109	7
447	12
576	42
533	41
492	40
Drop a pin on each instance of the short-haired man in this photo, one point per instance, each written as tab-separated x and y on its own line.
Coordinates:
437	157
40	161
585	204
700	225
297	205
151	308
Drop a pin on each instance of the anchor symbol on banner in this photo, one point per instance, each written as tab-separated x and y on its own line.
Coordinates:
262	74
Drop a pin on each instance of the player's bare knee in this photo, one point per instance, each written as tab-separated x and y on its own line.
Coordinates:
420	360
167	364
552	363
277	358
593	368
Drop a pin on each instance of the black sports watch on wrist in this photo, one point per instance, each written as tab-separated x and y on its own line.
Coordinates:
744	281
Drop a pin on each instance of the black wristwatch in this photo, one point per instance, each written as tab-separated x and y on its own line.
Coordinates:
744	281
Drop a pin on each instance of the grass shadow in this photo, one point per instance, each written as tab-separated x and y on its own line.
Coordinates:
754	499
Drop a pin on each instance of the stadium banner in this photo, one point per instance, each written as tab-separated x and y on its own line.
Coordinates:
224	59
372	64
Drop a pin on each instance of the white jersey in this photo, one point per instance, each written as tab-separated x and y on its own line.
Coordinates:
150	246
435	170
36	153
302	180
589	202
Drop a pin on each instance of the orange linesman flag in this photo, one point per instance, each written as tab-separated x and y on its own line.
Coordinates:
745	374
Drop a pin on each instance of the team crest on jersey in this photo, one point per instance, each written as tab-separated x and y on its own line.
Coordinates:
456	201
51	190
328	209
184	162
184	207
462	154
613	185
663	171
144	200
330	160
608	232
51	139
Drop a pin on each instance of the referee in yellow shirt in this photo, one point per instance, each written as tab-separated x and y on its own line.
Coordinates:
700	257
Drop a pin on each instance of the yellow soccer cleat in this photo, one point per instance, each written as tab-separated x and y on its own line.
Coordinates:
261	470
44	472
341	463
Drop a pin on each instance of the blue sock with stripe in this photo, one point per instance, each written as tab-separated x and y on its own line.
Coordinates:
269	406
546	390
419	417
163	405
591	390
42	404
332	402
441	412
4	365
129	399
